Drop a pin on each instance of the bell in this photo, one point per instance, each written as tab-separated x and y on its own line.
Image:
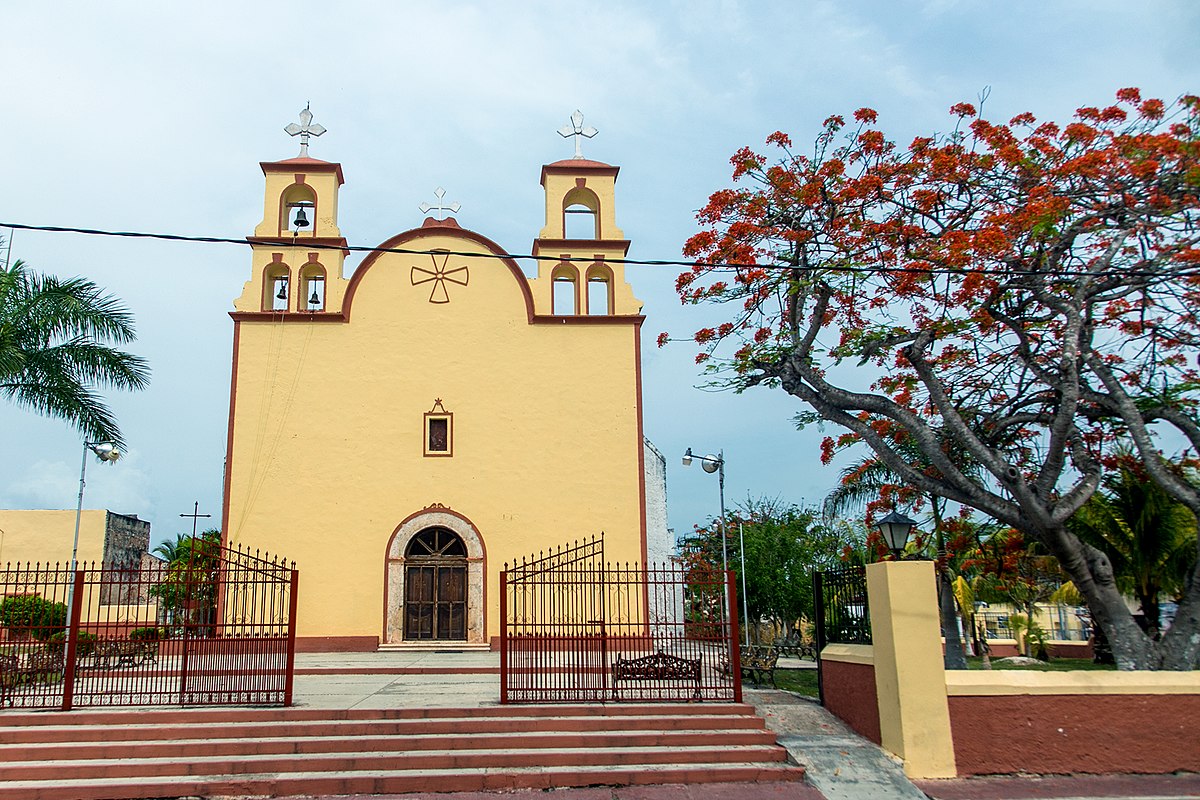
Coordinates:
282	289
314	300
301	220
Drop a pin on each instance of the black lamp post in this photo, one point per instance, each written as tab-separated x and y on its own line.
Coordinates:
895	528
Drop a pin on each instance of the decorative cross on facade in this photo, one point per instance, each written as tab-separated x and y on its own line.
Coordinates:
305	129
440	276
577	130
441	206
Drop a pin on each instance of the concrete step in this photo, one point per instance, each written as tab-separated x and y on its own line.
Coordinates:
467	724
365	762
105	755
530	740
296	713
392	781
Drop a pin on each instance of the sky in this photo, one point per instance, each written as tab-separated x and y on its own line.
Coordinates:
153	117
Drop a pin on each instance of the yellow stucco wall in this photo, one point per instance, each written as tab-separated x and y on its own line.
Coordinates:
46	536
914	714
327	426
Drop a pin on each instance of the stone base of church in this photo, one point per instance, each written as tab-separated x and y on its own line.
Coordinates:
337	644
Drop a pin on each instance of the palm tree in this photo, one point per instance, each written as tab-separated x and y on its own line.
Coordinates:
870	479
1148	536
56	340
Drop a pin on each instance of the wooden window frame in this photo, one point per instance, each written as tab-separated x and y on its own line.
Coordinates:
429	417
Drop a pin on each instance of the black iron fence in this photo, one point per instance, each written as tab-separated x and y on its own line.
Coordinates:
843	614
577	629
215	629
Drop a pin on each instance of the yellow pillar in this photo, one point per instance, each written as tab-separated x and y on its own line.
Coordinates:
910	677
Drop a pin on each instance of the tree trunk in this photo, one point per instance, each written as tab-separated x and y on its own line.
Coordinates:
948	611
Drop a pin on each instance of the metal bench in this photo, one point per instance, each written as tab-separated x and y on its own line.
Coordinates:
658	666
759	663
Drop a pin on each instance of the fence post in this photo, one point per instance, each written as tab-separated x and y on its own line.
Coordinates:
291	639
504	636
735	654
819	627
76	612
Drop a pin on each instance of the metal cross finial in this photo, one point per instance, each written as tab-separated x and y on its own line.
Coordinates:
441	206
305	129
577	130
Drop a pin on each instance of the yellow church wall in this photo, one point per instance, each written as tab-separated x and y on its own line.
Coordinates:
46	536
327	442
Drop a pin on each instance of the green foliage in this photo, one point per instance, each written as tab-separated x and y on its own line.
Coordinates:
55	349
188	591
85	643
784	544
1148	536
1031	637
39	617
145	635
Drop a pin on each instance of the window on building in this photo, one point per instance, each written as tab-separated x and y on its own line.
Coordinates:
439	431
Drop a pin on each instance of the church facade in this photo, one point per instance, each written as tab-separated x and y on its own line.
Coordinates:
405	432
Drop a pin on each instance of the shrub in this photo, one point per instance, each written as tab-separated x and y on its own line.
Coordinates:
145	635
37	615
85	644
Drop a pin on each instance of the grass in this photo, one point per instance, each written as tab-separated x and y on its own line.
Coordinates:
800	681
1055	665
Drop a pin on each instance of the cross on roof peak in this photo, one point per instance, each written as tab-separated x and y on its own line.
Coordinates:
577	130
442	205
305	129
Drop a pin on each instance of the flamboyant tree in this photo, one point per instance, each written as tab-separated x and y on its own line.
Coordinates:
1026	291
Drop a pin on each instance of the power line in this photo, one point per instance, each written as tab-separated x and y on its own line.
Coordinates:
729	265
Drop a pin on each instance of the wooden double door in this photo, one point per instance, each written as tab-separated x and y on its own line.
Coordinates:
435	587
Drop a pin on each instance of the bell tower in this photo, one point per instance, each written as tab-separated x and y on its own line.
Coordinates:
298	250
581	231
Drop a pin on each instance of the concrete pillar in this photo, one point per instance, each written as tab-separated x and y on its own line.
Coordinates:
910	676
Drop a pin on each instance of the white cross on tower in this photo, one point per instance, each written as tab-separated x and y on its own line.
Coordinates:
305	129
577	130
441	206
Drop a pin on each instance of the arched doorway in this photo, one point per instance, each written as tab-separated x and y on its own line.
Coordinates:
430	555
435	587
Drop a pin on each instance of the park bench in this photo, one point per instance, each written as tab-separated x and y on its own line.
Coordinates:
796	648
42	666
123	653
658	666
759	663
9	676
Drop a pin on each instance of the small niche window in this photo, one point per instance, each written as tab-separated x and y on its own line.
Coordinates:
599	291
565	283
439	431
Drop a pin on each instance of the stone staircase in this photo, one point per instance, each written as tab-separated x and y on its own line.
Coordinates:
103	755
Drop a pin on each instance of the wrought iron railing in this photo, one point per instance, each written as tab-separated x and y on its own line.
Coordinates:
578	629
843	613
215	629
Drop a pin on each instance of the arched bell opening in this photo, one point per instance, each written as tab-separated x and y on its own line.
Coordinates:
277	286
564	284
298	210
581	214
312	288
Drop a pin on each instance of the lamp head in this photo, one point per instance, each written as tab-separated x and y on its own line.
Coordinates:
710	463
895	528
687	458
105	451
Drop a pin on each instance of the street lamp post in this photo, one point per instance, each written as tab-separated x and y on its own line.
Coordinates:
711	464
107	453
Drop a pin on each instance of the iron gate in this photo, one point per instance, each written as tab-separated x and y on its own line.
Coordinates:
577	629
216	628
843	615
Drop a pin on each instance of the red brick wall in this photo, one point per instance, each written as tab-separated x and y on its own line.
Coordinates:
1132	733
849	691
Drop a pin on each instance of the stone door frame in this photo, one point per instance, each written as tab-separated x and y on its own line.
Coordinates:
435	516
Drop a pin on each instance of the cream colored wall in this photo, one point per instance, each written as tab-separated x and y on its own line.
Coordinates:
47	535
914	713
327	459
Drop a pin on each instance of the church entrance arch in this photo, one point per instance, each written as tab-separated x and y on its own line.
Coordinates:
434	586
